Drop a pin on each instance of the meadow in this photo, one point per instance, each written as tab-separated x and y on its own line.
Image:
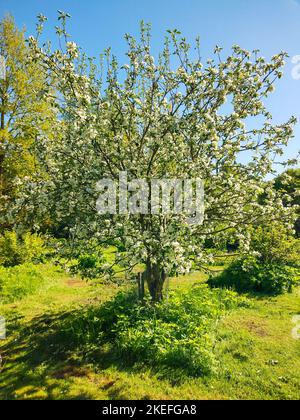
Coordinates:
48	353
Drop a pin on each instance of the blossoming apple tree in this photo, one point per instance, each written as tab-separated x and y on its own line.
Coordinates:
175	116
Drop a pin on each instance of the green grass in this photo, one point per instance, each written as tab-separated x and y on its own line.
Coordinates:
256	354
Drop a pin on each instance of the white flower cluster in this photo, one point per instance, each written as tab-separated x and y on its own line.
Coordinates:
159	122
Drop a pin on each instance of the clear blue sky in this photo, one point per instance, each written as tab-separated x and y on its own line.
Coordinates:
270	25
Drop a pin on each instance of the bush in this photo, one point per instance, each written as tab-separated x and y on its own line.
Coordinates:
15	251
272	267
89	266
274	244
179	333
250	274
18	282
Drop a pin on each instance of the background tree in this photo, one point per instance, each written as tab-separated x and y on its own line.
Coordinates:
25	114
175	117
288	184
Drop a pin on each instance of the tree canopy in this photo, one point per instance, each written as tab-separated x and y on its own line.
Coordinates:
25	113
170	117
288	184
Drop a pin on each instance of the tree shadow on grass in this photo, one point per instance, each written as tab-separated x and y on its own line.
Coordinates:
32	360
53	349
43	355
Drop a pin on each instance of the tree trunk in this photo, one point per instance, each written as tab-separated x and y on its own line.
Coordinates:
141	287
155	277
2	126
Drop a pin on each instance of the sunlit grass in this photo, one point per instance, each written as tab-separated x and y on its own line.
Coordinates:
257	356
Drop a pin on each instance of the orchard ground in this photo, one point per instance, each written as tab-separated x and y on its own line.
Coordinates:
257	355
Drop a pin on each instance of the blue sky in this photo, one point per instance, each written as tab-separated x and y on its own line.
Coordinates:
270	25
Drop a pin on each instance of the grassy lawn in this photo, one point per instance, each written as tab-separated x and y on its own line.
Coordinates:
258	358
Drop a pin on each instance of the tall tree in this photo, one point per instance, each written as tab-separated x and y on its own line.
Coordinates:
159	120
288	184
25	113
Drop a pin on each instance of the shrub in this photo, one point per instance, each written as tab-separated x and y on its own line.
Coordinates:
274	244
89	266
271	268
15	251
179	333
250	274
10	251
18	282
33	247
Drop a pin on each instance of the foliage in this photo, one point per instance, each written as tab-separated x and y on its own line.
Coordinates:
159	119
288	184
26	116
19	282
272	265
257	357
273	243
88	259
89	266
16	251
179	333
252	275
